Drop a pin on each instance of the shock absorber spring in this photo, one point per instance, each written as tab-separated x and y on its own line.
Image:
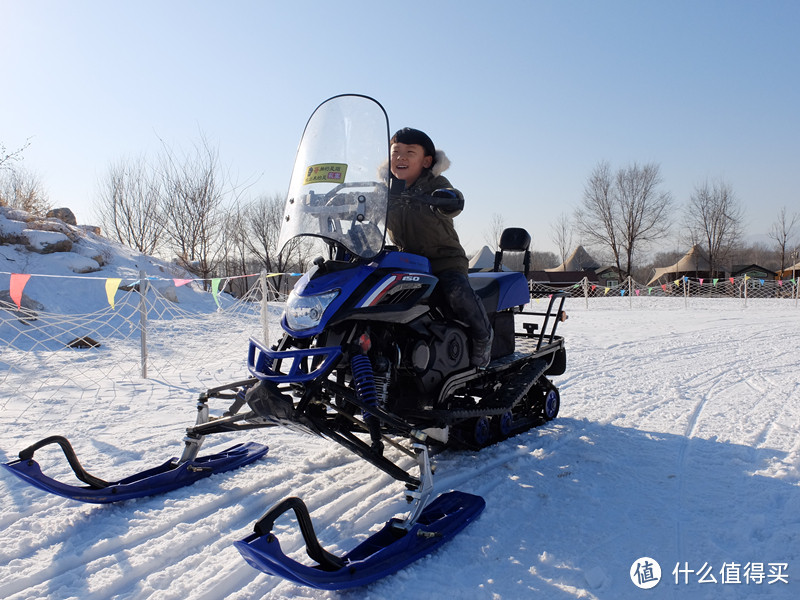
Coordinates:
364	383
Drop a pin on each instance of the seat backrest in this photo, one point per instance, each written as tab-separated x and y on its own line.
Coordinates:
514	239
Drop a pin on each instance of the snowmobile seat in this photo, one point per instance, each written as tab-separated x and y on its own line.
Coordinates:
500	292
514	239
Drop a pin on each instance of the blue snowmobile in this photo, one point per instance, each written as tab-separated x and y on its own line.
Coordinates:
370	358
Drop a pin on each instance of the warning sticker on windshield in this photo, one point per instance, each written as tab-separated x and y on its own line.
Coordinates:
325	173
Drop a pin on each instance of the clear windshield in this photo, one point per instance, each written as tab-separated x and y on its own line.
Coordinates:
339	187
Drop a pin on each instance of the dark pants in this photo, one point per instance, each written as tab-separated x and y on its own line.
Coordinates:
466	305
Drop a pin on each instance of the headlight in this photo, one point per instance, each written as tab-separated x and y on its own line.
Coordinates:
305	312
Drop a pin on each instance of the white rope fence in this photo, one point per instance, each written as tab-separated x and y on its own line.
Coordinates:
145	336
685	290
44	355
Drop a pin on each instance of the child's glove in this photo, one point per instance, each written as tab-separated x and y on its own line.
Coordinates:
446	199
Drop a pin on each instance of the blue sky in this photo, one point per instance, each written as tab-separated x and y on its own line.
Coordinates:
526	97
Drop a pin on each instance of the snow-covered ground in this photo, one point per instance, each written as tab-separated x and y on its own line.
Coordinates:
678	440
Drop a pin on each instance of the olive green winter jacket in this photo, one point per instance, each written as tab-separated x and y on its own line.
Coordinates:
421	229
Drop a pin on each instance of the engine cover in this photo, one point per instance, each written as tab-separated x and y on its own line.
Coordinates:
432	359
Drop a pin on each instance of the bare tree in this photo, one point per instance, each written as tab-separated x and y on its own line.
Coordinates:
19	188
783	232
264	218
624	212
644	209
129	205
714	219
562	237
191	204
494	230
597	217
234	241
8	157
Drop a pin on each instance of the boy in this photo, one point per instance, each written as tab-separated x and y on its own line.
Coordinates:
420	221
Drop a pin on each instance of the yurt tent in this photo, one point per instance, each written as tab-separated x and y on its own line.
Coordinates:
693	263
579	260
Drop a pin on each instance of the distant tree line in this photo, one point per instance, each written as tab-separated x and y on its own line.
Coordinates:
181	206
624	213
186	207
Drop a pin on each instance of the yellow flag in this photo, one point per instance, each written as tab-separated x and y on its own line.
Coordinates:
112	285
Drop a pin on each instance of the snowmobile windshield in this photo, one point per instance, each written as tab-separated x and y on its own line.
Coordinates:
339	188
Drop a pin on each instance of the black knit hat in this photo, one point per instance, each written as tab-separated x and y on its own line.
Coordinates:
407	135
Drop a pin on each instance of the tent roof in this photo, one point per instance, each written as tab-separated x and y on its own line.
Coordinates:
579	260
790	269
483	260
694	260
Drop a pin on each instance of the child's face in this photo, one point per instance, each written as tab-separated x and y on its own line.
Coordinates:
408	161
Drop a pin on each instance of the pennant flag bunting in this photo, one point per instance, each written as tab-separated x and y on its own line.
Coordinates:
180	282
18	282
664	286
215	289
701	281
715	281
112	285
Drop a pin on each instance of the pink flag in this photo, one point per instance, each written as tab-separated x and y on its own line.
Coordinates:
180	282
18	282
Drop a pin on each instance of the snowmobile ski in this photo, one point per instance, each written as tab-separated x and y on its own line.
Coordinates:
164	478
382	554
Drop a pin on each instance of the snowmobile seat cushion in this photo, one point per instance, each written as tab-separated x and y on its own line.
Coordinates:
515	238
500	291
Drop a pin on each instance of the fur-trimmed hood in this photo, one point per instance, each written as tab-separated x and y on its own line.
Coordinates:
440	164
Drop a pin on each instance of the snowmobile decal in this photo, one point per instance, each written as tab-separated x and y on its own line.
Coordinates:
330	173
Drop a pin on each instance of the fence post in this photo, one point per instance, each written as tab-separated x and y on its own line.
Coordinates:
264	309
586	291
630	292
744	283
143	319
685	292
